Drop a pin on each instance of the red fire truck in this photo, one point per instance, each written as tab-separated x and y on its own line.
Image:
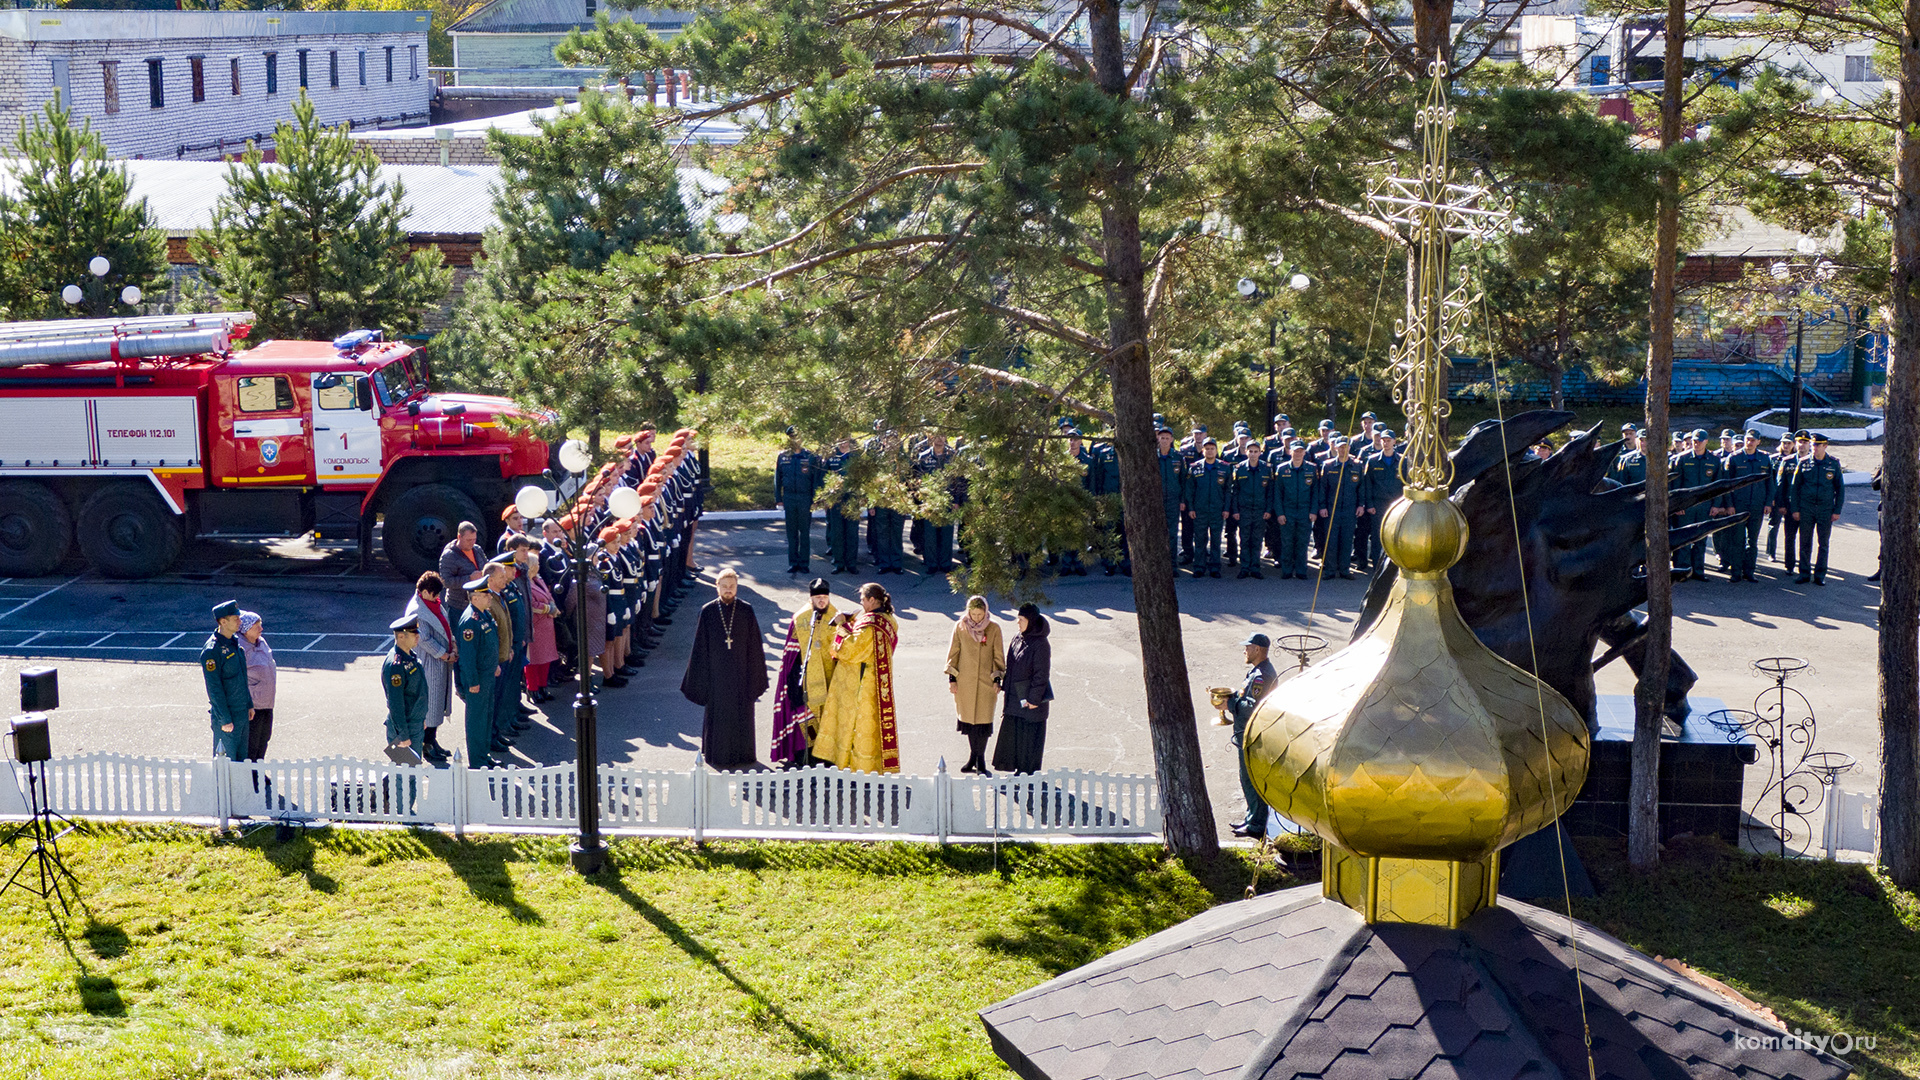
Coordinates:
129	436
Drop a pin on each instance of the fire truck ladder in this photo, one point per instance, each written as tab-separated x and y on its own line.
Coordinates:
83	341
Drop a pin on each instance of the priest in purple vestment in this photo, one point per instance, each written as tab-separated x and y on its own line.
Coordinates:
727	673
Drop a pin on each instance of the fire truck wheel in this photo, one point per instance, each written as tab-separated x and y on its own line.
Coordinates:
125	531
421	522
35	529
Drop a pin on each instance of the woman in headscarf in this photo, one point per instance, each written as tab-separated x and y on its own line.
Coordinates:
262	676
542	647
858	730
437	655
1027	681
806	670
975	659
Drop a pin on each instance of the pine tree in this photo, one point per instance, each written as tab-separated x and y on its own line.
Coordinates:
313	245
567	313
68	204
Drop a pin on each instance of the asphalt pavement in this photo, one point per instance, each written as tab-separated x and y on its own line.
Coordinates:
129	682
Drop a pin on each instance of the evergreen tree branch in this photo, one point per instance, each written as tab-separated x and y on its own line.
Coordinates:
1058	397
850	201
921	9
957	59
1048	325
801	267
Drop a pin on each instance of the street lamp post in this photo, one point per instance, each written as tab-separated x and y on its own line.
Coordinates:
95	295
1249	290
1800	276
588	851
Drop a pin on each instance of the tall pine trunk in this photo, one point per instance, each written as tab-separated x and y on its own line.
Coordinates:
1650	695
1900	484
1185	808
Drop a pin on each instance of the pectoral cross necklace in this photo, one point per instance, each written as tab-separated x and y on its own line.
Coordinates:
726	621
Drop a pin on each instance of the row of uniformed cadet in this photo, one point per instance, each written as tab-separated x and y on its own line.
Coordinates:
1800	486
800	476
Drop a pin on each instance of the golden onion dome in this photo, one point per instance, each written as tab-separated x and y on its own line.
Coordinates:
1416	744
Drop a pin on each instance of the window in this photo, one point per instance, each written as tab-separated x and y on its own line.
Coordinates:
303	69
273	73
1860	69
1602	70
1505	47
343	394
197	70
233	72
413	61
156	84
363	67
62	83
263	393
333	68
110	85
389	63
590	6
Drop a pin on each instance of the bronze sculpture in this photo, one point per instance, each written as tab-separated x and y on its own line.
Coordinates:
1584	540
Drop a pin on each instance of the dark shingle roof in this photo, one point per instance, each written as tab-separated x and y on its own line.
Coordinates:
1290	986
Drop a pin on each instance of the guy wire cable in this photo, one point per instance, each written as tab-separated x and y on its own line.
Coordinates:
1533	650
1359	388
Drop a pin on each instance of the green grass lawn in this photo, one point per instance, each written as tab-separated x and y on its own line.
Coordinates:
742	469
401	954
362	953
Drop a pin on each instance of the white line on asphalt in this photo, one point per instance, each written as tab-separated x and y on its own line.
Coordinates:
98	640
31	640
169	642
25	604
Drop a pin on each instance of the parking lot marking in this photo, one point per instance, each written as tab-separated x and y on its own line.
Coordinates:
25	604
168	644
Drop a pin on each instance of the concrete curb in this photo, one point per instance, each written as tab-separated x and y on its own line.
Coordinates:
754	515
1840	435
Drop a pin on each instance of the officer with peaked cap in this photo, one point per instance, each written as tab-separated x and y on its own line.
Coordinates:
1695	468
1819	491
1254	688
797	475
1784	477
480	634
1749	504
230	703
405	686
1296	502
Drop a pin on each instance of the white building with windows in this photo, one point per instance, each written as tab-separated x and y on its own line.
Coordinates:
198	84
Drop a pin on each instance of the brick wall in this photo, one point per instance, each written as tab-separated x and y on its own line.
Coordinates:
223	120
425	150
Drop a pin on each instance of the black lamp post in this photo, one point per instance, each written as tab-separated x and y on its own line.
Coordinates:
588	851
1800	277
1249	290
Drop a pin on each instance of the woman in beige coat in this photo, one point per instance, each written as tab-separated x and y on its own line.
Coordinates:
975	659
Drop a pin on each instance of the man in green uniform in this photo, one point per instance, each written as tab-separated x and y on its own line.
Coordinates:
797	474
843	527
1784	476
1340	508
1173	488
1258	683
517	635
1106	488
1207	483
1296	501
1380	485
1777	509
479	633
230	703
1631	466
1819	491
1251	507
1690	470
1190	450
406	689
1749	504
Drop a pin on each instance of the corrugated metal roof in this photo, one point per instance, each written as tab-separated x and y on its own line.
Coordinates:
547	16
441	200
456	199
72	24
719	130
1740	234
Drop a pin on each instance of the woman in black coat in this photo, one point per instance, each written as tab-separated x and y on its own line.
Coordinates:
1023	733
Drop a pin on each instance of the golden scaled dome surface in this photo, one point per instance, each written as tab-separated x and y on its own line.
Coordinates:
1416	741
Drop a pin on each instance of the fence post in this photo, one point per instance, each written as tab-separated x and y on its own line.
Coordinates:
223	791
942	801
699	798
457	773
1836	817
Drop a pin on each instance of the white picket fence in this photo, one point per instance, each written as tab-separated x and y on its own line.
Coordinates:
699	803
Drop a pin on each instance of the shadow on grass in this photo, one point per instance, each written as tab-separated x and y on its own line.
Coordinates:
482	866
1825	945
99	994
295	856
761	1006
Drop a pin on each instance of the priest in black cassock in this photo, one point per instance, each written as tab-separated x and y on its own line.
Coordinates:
727	673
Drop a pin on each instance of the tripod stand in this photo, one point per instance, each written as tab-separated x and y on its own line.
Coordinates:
45	856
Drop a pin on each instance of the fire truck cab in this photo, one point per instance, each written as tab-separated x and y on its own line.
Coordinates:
129	436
